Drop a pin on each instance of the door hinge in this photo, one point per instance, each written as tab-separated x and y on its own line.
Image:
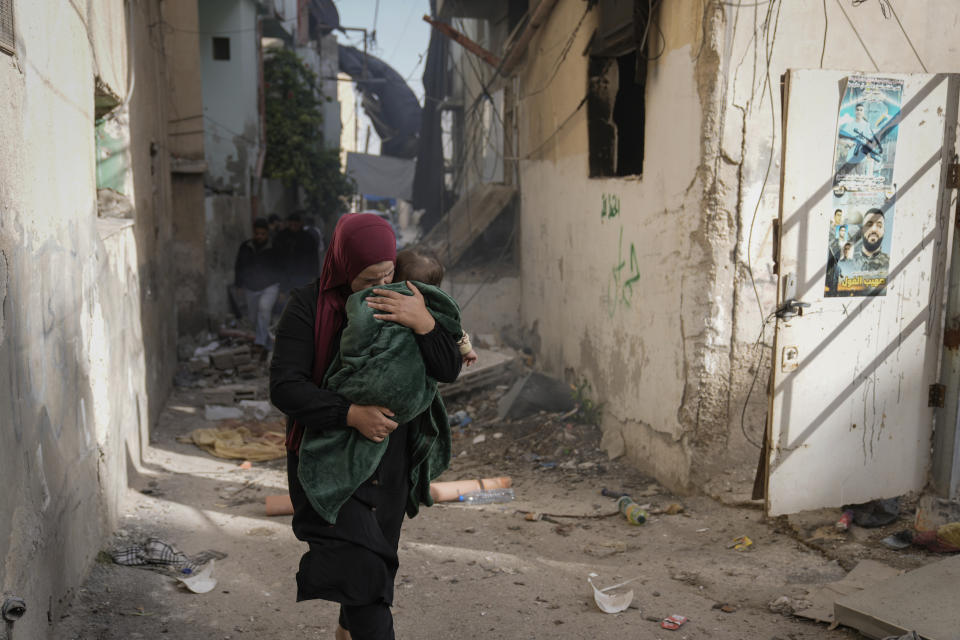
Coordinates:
936	395
953	176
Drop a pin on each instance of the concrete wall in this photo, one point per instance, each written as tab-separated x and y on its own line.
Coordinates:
185	148
228	223
655	305
617	272
86	336
230	103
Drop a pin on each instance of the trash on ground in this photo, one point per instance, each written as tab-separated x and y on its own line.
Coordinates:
741	543
214	412
460	419
673	622
446	491
155	553
944	539
201	582
246	464
846	518
611	602
260	408
875	513
788	606
487	496
206	350
532	393
633	512
725	607
899	540
241	440
480	439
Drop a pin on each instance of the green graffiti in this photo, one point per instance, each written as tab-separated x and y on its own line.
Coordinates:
624	274
610	205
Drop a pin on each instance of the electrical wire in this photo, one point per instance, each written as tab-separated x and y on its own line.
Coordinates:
563	55
753	382
826	27
912	48
857	33
768	86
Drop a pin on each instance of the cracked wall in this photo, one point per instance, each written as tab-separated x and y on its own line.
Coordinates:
664	306
621	273
86	346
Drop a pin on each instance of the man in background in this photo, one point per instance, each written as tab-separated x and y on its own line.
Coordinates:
257	272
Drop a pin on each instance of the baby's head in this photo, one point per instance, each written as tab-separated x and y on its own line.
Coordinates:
413	264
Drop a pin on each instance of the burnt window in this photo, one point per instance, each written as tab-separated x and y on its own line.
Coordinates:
221	48
8	42
616	115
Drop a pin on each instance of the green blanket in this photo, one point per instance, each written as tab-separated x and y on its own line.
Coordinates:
379	363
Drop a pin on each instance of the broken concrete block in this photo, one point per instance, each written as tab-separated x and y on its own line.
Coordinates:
222	360
532	393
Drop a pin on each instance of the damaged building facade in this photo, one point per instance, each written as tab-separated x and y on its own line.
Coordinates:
87	333
644	142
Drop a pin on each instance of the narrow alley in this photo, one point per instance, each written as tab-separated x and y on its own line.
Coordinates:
435	319
506	570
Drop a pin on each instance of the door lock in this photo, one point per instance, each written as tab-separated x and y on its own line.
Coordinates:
790	308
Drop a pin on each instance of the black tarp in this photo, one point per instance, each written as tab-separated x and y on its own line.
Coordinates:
387	100
428	181
324	18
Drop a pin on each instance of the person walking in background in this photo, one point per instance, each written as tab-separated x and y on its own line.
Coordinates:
257	272
298	248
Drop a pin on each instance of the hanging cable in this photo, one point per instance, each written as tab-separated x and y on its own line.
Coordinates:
857	33
912	48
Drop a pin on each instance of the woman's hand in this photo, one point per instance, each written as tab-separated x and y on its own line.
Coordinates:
409	311
371	421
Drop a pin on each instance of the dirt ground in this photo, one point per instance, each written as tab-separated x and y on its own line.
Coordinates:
489	571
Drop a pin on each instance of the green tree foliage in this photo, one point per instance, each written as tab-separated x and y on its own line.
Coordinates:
295	150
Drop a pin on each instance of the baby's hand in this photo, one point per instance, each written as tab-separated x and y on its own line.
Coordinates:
470	358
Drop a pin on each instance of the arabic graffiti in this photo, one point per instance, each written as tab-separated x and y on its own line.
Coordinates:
610	207
624	274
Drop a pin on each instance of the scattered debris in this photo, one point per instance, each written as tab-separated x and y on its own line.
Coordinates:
846	518
875	513
725	607
741	543
788	606
532	393
201	582
447	491
611	603
673	622
155	553
241	440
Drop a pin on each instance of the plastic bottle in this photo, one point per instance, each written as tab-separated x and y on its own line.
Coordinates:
633	512
486	496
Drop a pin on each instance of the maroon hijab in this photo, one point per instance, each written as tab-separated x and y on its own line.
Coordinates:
359	240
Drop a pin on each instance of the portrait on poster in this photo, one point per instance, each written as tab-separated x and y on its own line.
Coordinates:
860	224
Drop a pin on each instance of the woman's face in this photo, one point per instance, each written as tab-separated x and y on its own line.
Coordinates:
373	276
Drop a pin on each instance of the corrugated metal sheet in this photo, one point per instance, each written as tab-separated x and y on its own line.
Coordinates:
8	42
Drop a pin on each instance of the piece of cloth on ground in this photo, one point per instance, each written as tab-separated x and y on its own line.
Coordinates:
155	553
241	440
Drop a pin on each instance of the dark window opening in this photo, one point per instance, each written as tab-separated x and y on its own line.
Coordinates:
221	48
616	115
8	41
